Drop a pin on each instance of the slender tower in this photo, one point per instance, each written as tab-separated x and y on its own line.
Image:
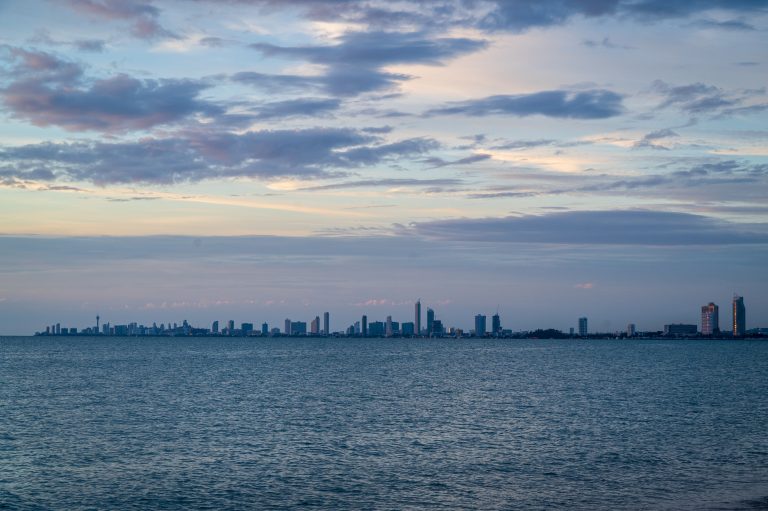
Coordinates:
97	323
417	318
739	316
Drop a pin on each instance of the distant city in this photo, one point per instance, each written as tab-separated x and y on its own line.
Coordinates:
433	328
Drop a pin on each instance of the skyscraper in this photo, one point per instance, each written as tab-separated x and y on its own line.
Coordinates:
480	325
326	323
583	328
710	319
389	330
287	329
365	326
314	326
215	327
739	316
496	324
417	316
430	321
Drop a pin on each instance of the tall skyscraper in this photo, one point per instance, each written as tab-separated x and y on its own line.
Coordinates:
417	316
583	327
631	331
314	326
496	324
480	325
739	316
215	327
365	325
287	330
264	329
326	323
710	319
430	321
389	331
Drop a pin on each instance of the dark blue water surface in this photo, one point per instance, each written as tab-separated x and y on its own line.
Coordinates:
186	423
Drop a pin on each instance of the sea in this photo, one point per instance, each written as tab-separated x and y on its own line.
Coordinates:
164	423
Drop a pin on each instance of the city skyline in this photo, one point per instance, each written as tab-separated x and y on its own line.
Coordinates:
436	327
190	157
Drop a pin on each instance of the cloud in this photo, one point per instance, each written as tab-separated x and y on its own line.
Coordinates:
353	65
439	162
700	98
384	183
623	227
585	285
142	15
649	140
737	25
46	90
87	45
521	15
591	104
605	43
196	155
296	107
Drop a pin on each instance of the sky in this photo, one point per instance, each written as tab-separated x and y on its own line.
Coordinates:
257	160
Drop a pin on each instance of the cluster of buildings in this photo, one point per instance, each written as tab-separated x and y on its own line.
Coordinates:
710	326
710	321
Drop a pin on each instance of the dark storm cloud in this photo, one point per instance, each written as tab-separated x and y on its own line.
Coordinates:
45	90
590	104
194	156
632	227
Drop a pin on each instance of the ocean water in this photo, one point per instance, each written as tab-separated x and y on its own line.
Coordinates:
210	423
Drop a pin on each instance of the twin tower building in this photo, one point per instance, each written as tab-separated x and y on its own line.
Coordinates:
710	318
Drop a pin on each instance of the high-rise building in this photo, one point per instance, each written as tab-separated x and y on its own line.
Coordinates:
287	329
417	316
215	327
437	328
710	319
739	316
365	326
376	329
496	324
631	331
430	321
583	327
480	325
230	327
264	329
314	327
246	328
407	329
326	323
389	330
